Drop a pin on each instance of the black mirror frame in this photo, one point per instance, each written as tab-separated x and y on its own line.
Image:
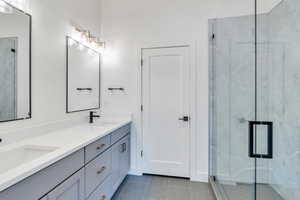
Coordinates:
67	77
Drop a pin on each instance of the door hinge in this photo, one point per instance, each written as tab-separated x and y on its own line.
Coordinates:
213	36
142	153
142	108
142	62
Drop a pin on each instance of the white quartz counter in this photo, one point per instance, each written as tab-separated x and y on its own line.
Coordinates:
22	159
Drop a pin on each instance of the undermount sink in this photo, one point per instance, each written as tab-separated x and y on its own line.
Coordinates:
18	156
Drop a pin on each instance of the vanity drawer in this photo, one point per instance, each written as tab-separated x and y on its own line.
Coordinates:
120	133
96	172
94	149
103	192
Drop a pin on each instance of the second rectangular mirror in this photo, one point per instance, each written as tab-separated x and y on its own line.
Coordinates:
83	77
15	63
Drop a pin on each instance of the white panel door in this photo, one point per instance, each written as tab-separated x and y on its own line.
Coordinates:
166	138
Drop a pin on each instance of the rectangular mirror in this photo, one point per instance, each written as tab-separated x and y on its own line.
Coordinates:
15	63
83	77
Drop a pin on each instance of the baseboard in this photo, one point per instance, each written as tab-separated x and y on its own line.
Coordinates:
135	172
200	177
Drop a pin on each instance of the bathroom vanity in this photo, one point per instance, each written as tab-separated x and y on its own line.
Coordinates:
86	162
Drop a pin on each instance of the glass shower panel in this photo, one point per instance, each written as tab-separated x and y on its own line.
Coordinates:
278	98
233	105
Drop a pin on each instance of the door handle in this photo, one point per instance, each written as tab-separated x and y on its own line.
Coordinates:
253	154
185	118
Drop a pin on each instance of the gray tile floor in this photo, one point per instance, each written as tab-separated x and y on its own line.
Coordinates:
246	192
162	188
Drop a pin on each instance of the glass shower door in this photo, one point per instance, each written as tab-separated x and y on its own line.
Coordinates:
233	105
278	99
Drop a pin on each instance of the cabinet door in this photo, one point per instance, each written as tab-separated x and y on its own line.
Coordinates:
71	189
125	157
116	148
120	161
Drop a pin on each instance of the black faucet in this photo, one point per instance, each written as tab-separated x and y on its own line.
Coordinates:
92	116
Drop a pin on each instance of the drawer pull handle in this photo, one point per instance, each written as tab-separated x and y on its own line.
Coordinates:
101	170
101	146
103	197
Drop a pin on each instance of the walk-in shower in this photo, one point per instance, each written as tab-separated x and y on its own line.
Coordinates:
255	103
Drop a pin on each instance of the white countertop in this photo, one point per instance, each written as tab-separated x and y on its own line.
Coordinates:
64	141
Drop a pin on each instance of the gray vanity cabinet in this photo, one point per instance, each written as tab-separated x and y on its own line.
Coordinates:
120	161
71	189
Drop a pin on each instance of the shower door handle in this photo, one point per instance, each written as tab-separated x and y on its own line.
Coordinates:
252	130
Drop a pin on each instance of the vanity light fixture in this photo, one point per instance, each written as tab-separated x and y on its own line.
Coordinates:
88	38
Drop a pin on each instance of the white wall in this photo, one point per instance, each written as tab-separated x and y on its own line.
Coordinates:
128	24
51	23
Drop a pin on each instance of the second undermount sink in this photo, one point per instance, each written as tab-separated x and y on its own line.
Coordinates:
15	157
